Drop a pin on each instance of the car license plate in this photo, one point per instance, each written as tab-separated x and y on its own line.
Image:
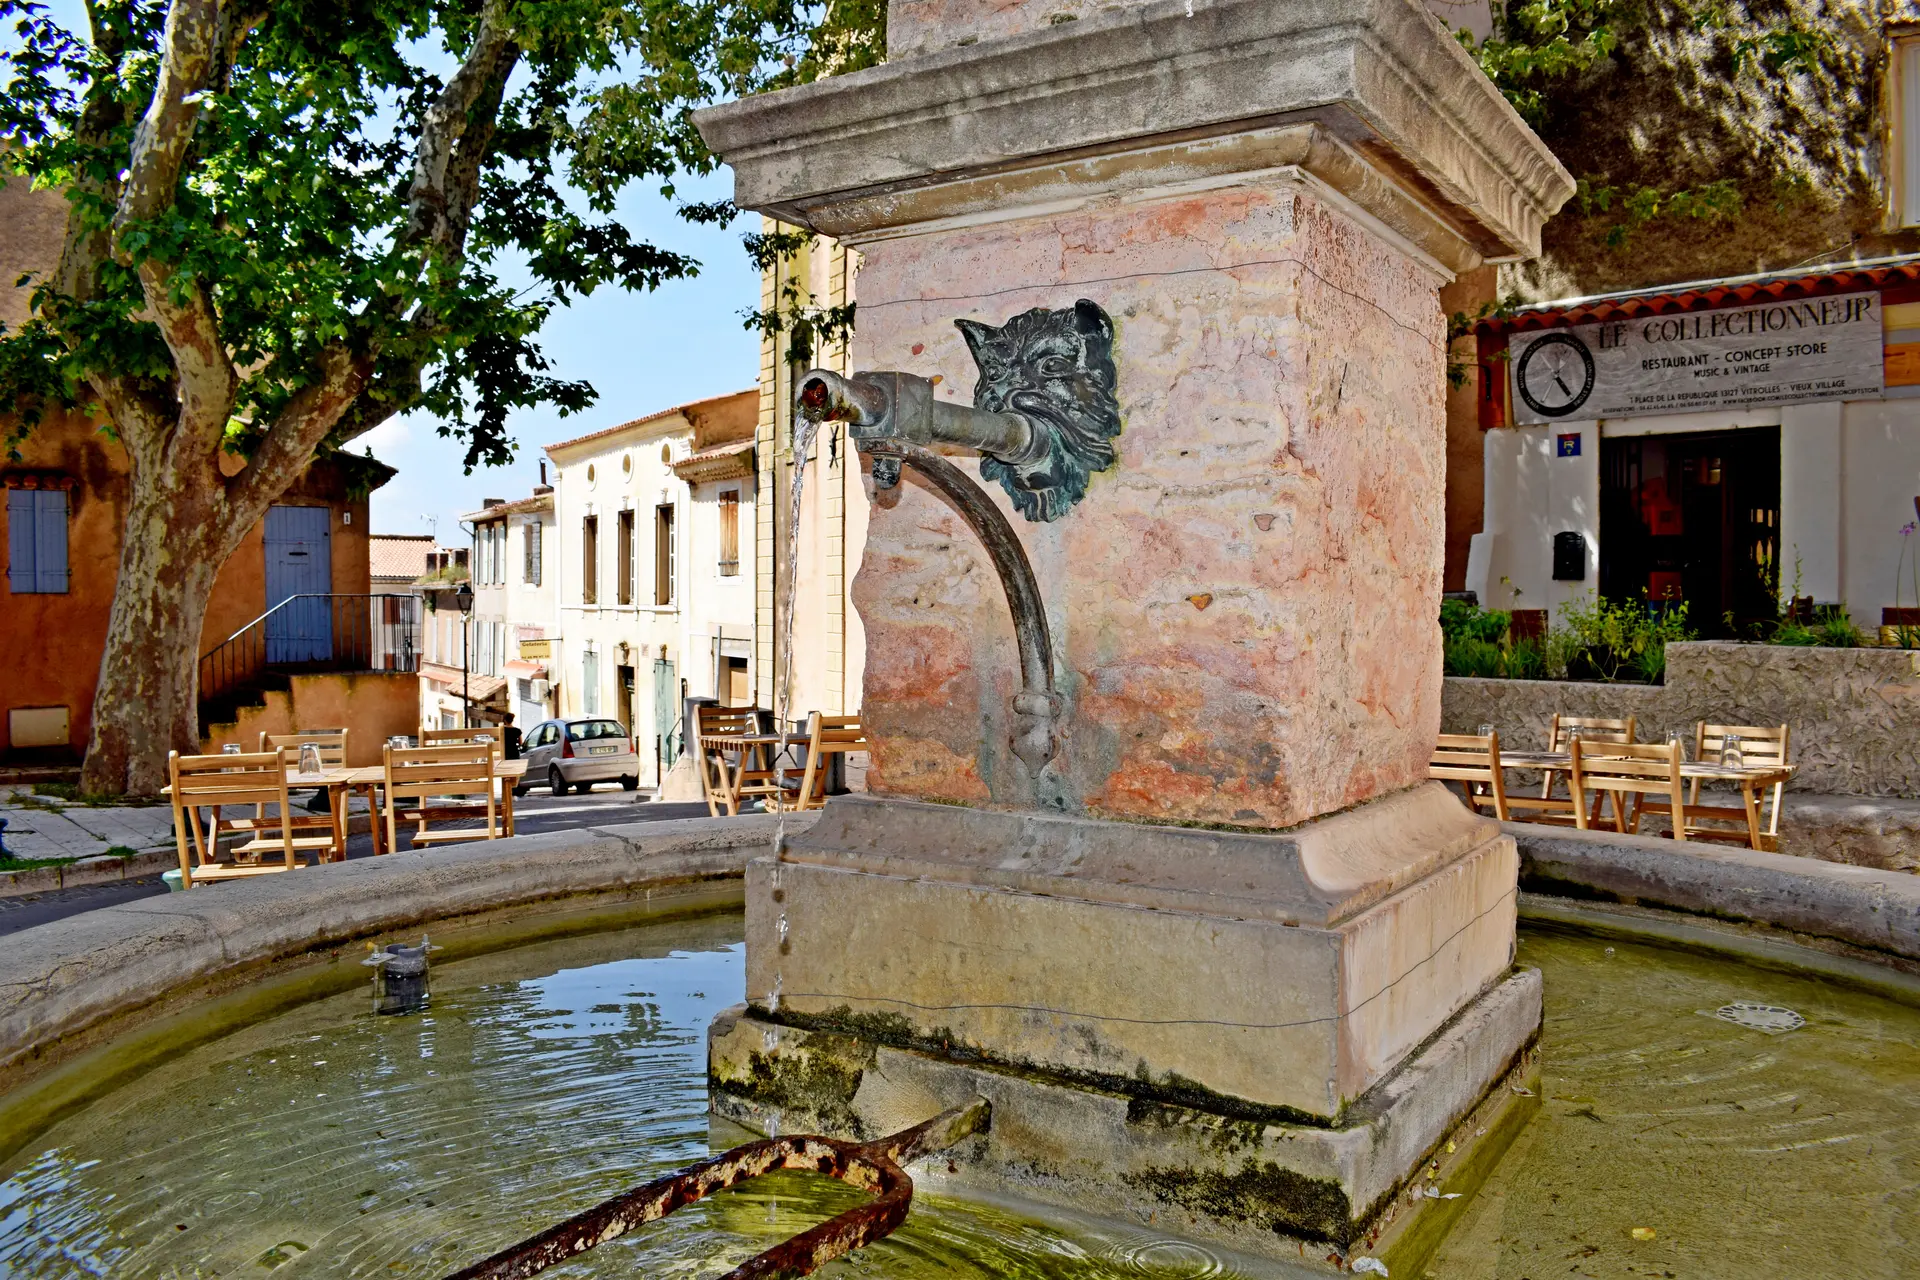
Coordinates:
601	751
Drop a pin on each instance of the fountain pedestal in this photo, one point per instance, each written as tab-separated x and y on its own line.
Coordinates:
1229	938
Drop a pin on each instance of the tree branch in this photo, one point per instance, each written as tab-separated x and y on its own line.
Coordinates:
135	409
446	173
297	430
206	377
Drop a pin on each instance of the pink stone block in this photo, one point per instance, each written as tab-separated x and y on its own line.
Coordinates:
1244	606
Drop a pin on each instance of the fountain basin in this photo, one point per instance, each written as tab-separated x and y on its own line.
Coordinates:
549	1075
98	998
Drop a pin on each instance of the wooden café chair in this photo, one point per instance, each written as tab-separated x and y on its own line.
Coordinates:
1760	745
806	788
332	744
1562	731
260	779
424	785
1627	773
758	778
1474	762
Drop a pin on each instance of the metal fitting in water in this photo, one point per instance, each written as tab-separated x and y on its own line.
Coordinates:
400	977
873	1167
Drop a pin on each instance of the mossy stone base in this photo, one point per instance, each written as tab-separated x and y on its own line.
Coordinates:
1292	1191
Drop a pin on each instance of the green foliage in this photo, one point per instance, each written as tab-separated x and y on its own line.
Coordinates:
1831	627
808	326
1526	660
1537	41
1640	205
295	216
1478	642
1462	324
1467	656
1460	620
1616	638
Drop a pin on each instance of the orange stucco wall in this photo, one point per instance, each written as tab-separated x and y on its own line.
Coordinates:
53	643
371	705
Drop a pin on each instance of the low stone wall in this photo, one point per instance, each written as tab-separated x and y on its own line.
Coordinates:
1854	713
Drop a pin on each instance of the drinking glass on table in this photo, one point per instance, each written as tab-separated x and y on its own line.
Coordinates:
1484	731
1730	756
398	742
309	757
229	748
1678	741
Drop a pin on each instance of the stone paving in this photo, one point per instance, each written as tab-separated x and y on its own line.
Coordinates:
48	828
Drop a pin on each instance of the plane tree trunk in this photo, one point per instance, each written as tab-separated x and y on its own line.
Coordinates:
147	699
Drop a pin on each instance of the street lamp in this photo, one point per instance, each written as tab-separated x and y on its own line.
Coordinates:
463	596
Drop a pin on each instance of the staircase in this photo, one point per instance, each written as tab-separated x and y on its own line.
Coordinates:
305	635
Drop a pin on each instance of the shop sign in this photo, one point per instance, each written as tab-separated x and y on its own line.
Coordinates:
1739	357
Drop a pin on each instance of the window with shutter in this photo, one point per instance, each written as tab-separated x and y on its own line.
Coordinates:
623	561
729	532
590	560
663	552
37	541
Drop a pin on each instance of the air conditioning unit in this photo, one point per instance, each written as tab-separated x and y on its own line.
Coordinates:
541	689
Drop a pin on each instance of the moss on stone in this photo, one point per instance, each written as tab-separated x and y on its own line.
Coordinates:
817	1076
1260	1192
1170	1089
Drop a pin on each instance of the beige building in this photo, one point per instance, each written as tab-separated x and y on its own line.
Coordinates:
829	649
513	605
653	570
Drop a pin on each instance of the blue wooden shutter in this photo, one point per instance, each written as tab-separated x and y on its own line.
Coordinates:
20	512
50	541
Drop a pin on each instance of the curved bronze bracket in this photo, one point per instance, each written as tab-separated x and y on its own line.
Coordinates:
1036	708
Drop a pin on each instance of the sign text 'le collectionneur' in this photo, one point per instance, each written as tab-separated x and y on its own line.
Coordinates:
1740	357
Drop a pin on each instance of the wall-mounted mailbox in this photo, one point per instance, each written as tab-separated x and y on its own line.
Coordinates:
1569	556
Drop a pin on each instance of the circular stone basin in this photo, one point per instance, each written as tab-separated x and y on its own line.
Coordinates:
328	1141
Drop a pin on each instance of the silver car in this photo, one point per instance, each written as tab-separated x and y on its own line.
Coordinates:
578	753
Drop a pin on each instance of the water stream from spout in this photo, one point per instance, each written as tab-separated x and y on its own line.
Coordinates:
804	430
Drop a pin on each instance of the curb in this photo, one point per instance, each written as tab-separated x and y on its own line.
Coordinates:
103	868
99	869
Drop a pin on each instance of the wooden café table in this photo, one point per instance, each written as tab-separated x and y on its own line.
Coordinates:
368	778
1751	781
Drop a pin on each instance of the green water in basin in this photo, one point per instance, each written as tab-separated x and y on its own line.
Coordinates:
330	1142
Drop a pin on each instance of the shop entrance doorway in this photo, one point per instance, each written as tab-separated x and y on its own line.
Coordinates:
1694	518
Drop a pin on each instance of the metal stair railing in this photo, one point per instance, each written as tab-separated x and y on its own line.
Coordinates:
317	632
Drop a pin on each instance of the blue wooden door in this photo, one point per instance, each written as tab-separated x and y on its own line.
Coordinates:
299	563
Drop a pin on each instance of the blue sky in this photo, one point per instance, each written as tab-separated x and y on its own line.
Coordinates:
641	352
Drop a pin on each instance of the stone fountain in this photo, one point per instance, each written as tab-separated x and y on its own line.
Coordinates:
1148	857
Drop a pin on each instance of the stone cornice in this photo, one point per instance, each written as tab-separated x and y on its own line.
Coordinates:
861	153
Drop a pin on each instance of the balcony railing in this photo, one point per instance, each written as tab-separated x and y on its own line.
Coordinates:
317	633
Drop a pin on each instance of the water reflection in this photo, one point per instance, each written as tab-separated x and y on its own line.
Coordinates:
331	1142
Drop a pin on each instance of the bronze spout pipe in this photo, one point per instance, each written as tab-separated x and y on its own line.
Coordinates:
901	406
